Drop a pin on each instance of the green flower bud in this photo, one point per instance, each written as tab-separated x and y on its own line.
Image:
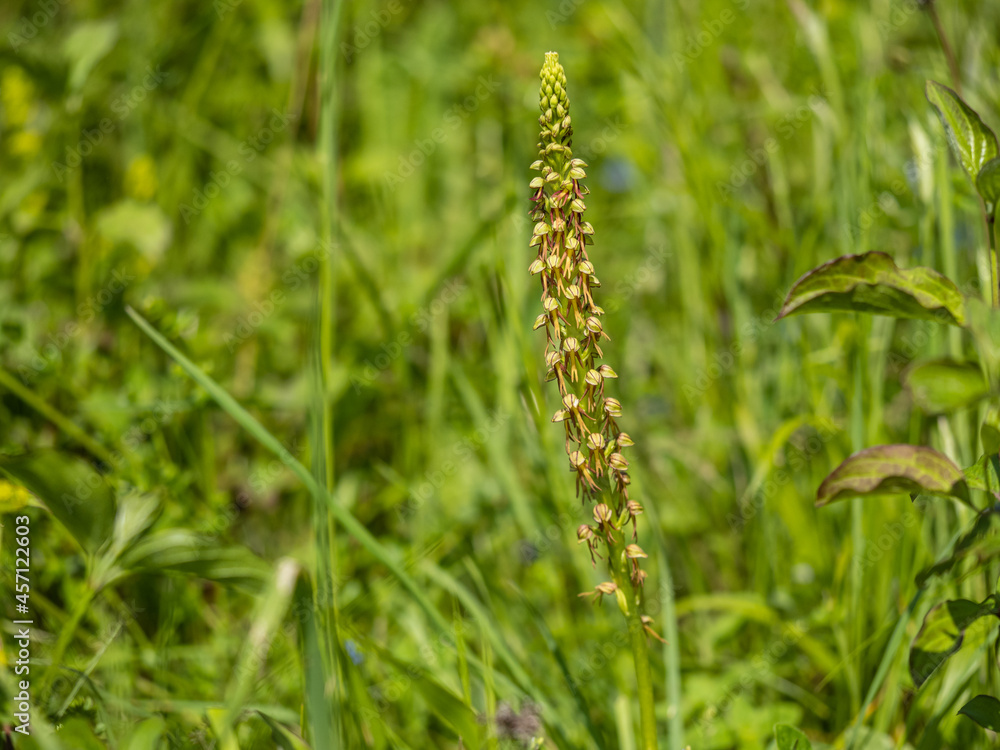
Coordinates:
573	325
618	461
612	407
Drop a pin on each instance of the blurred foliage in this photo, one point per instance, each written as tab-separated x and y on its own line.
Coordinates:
163	155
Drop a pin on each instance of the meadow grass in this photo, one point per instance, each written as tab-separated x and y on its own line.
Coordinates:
379	432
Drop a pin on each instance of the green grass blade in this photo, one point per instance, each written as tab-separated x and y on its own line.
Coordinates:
557	654
343	516
318	711
469	601
270	613
883	667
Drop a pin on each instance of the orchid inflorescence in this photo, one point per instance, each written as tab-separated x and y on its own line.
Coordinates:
574	332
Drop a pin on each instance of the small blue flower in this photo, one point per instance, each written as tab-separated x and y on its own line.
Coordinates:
353	652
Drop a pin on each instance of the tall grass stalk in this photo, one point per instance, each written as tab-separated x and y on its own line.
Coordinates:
574	332
322	438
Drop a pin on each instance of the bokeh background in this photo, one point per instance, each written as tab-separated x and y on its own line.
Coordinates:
167	156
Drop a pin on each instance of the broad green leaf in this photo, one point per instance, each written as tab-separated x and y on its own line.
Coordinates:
989	431
226	740
969	543
972	142
890	469
984	474
947	627
181	551
79	732
984	710
944	385
136	513
988	181
147	735
873	283
283	737
983	322
71	490
787	737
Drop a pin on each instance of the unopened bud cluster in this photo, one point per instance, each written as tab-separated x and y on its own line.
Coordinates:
572	321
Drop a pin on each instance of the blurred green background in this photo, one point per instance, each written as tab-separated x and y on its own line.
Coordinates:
165	156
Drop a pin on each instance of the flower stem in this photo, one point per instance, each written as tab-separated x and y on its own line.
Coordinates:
643	680
66	638
631	606
991	229
949	55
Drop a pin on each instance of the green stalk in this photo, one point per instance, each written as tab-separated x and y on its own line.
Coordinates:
65	638
631	605
574	333
323	443
956	78
328	154
991	230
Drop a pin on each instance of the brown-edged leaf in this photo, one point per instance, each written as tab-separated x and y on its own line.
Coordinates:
873	283
889	469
